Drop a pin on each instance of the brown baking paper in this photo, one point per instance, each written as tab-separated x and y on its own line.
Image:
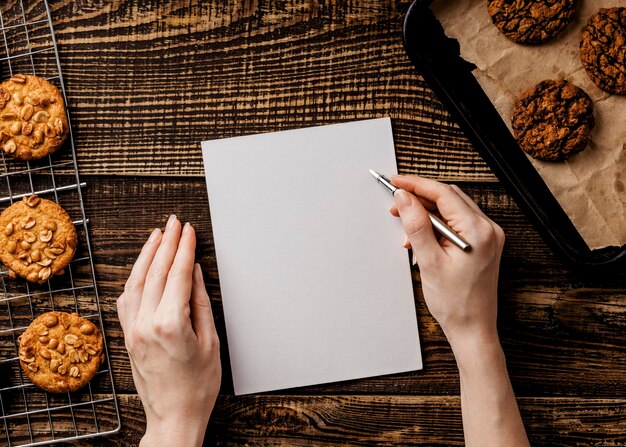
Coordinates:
589	185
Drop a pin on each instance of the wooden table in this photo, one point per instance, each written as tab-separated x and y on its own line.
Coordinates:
147	81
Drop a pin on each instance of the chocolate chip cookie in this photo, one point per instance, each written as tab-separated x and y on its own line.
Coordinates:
553	120
61	352
33	121
37	239
531	21
603	50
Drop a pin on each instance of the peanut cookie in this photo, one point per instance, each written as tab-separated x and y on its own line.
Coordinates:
60	352
553	120
37	239
603	50
531	21
33	121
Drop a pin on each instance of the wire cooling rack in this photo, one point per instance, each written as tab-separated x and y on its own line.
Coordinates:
29	416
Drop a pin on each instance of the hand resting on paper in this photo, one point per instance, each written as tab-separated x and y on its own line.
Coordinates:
171	340
460	290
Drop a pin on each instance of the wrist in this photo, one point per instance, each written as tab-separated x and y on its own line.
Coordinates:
475	346
174	433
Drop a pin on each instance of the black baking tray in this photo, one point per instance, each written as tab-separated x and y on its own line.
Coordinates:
437	58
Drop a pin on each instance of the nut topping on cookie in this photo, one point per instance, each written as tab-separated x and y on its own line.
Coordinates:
28	222
34	113
37	238
41	116
55	366
10	147
19	78
32	201
27	128
87	329
27	112
16	127
45	235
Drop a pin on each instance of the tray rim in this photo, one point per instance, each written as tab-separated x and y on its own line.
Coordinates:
533	197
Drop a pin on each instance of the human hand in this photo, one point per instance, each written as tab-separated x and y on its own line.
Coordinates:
170	336
460	288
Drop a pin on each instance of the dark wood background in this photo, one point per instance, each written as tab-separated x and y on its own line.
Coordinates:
147	81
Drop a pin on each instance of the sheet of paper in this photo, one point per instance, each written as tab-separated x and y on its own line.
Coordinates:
315	284
590	185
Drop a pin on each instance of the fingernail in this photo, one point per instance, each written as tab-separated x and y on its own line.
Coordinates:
170	221
154	235
406	242
186	227
403	199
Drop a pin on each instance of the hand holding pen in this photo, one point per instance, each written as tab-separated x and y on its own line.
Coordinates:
460	288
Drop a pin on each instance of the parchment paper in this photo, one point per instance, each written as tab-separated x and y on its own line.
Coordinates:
589	185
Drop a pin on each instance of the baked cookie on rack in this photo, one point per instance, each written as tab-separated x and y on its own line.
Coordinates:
37	239
61	352
603	50
553	120
33	120
531	21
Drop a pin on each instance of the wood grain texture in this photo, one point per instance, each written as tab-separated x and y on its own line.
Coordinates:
147	84
561	337
284	420
147	81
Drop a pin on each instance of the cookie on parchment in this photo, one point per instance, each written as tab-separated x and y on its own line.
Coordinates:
61	352
553	120
603	50
37	239
33	121
531	21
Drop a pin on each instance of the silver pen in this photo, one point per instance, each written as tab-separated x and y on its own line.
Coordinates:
439	225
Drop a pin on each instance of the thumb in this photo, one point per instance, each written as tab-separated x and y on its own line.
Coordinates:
417	227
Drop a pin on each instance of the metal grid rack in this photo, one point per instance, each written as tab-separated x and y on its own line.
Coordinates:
29	416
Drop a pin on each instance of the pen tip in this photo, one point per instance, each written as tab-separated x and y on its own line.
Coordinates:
374	173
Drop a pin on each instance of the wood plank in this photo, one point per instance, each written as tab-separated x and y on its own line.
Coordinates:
558	328
146	86
382	420
525	255
555	344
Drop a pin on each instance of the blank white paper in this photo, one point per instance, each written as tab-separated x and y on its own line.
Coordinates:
316	286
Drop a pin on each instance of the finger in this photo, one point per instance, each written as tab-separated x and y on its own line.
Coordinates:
468	200
200	305
178	287
418	228
446	199
160	267
129	302
121	312
427	204
406	243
